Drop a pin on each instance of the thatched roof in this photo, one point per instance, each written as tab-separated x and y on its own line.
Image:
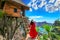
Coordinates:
17	3
20	2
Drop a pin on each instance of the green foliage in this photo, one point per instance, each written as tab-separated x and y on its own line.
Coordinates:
37	29
53	31
1	14
41	37
57	23
57	36
57	28
47	27
45	37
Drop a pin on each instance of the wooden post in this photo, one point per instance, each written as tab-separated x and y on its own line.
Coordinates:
23	11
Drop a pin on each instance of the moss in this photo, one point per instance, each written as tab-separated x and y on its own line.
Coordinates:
1	14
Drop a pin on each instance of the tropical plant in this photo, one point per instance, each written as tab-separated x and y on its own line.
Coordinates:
48	28
45	36
57	29
56	33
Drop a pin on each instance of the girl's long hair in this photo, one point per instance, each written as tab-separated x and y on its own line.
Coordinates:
31	22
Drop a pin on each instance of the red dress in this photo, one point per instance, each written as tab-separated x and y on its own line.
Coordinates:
33	32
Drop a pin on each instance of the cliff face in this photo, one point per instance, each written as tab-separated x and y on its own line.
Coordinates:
21	32
18	35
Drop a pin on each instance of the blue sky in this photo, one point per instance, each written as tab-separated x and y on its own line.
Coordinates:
43	10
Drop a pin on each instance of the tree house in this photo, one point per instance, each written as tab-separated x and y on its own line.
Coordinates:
14	8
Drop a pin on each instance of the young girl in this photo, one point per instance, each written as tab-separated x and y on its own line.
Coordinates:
32	31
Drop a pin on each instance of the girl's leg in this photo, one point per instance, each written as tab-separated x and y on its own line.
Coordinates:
27	36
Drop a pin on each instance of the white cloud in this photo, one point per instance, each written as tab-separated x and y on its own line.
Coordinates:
34	5
34	17
36	20
51	8
30	9
42	4
51	1
39	20
29	4
48	7
57	3
33	1
56	8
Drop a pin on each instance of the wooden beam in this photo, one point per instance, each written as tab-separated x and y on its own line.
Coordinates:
23	11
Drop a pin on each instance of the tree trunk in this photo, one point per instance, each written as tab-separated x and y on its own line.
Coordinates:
9	29
4	25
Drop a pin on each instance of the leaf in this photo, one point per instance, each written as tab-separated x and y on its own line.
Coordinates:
45	36
47	27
